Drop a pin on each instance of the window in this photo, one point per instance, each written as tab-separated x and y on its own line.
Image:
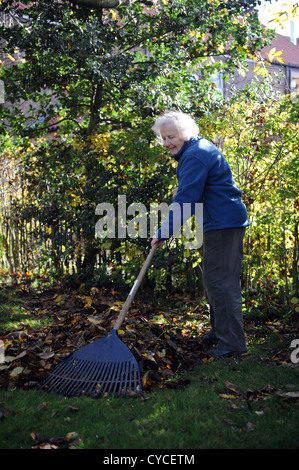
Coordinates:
2	92
294	81
217	79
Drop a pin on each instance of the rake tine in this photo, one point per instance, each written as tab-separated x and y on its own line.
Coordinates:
54	377
64	376
104	378
128	383
132	374
66	386
101	379
132	382
89	379
109	379
117	378
70	376
123	384
123	375
96	386
113	379
95	383
82	383
107	383
93	379
120	384
136	379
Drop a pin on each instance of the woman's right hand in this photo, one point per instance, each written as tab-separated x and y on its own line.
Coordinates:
159	242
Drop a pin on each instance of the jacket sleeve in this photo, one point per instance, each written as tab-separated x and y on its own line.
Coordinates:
192	175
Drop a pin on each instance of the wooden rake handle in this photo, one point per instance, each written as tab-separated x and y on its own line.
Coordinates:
135	288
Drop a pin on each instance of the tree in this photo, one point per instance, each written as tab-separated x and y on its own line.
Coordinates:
259	136
99	70
84	65
289	11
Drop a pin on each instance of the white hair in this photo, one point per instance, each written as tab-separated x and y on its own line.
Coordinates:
184	123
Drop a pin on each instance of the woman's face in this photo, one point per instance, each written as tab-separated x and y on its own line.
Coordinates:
171	139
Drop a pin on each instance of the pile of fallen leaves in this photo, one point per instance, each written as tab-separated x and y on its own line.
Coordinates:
162	343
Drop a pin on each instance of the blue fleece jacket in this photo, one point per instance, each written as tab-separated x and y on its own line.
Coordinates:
205	176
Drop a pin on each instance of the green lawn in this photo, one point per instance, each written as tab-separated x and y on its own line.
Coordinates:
247	403
203	414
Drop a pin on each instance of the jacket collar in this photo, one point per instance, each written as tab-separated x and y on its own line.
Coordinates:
186	144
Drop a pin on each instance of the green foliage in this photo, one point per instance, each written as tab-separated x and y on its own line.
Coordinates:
95	68
105	75
64	181
259	137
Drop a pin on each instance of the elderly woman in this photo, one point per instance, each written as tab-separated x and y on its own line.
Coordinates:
204	176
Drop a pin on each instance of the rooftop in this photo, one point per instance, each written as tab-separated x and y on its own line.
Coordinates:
290	50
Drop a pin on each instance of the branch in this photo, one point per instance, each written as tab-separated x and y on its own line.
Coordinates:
38	129
95	105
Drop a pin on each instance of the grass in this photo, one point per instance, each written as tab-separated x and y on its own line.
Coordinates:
204	414
195	417
13	312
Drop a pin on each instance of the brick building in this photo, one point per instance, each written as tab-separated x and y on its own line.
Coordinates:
288	71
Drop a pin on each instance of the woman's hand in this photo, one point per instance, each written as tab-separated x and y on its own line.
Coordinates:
156	240
174	192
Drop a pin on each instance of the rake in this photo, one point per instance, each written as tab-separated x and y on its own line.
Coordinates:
104	367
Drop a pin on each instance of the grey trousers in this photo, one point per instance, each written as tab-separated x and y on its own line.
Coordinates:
222	263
